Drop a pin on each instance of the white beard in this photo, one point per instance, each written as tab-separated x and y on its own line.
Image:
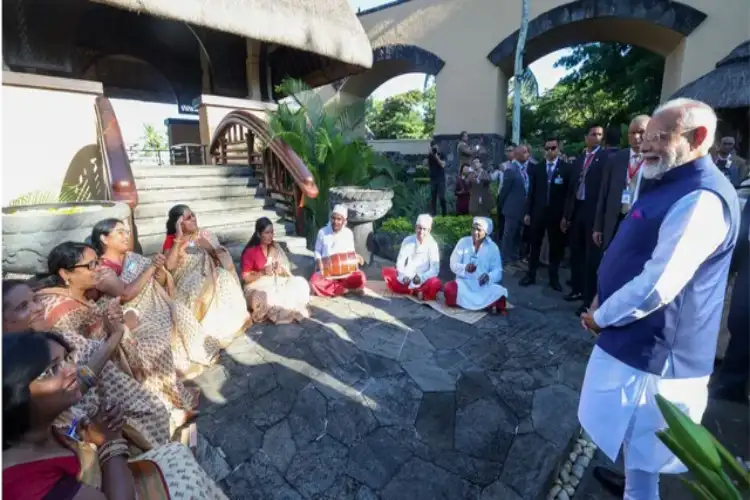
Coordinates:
666	163
655	171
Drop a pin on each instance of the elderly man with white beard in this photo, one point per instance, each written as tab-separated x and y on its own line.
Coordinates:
660	295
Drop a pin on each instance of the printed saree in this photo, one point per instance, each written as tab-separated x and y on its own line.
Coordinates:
82	325
170	340
282	298
211	291
168	472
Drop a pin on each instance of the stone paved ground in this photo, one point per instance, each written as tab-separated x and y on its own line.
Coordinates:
388	399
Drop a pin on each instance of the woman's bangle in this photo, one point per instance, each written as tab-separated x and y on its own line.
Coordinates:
87	377
114	448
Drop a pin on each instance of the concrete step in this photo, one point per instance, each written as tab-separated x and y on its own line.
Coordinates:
189	195
146	210
168	182
156	225
140	172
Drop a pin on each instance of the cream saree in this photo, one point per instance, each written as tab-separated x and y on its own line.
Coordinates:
170	340
212	292
281	298
81	325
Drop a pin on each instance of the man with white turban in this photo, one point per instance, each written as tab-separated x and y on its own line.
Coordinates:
479	269
417	265
333	239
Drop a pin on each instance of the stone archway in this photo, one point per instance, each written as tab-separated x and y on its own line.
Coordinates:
656	25
390	61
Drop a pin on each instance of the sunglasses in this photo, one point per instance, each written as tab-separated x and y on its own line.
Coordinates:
90	265
550	148
54	369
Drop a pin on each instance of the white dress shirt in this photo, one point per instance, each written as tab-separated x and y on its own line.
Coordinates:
617	404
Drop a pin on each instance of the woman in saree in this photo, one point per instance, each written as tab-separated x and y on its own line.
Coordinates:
270	289
92	460
171	341
204	277
85	325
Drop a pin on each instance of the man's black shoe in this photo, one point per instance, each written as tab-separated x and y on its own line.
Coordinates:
573	296
555	286
613	481
527	280
581	310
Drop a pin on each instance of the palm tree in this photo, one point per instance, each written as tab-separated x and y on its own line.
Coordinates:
529	86
519	72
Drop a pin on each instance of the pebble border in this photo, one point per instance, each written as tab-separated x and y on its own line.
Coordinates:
569	477
571	473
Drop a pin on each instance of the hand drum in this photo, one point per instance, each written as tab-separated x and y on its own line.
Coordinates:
339	265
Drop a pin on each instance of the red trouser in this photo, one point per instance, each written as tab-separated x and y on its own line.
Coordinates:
450	292
429	288
325	287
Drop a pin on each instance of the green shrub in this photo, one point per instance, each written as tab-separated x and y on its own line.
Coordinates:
447	230
422	180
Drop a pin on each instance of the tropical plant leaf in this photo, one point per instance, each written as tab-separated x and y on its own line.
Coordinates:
67	194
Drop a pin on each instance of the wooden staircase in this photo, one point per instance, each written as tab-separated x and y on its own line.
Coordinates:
251	175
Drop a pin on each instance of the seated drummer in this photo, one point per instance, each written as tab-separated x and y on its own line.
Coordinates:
479	269
417	265
333	239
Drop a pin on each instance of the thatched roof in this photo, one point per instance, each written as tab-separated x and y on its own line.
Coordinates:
325	27
728	86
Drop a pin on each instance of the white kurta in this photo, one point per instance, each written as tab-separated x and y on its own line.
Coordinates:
330	243
472	295
618	406
418	259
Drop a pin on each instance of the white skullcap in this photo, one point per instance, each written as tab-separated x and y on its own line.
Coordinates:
484	223
340	210
425	221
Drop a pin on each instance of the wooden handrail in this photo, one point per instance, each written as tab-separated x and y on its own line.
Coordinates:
120	181
299	172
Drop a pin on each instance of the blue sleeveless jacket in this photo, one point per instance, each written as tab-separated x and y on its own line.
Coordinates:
684	331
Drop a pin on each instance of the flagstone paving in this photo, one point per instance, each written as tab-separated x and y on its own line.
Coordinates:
388	399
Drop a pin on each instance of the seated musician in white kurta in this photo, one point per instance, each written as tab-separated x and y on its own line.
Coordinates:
335	239
479	269
417	265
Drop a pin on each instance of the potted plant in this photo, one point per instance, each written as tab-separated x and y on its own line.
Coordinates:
328	139
33	224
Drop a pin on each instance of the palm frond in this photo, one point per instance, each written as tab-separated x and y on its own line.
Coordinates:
67	194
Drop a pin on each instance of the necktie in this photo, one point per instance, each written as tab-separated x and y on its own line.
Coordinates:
550	168
581	194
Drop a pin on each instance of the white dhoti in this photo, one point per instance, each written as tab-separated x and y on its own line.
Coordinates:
618	408
474	297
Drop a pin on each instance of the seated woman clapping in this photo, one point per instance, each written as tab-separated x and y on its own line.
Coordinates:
171	341
90	460
270	289
85	325
204	277
417	265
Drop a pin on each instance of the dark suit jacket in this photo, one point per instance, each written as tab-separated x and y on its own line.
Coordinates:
538	204
614	178
512	197
593	183
739	314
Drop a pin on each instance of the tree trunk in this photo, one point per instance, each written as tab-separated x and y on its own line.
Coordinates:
518	72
